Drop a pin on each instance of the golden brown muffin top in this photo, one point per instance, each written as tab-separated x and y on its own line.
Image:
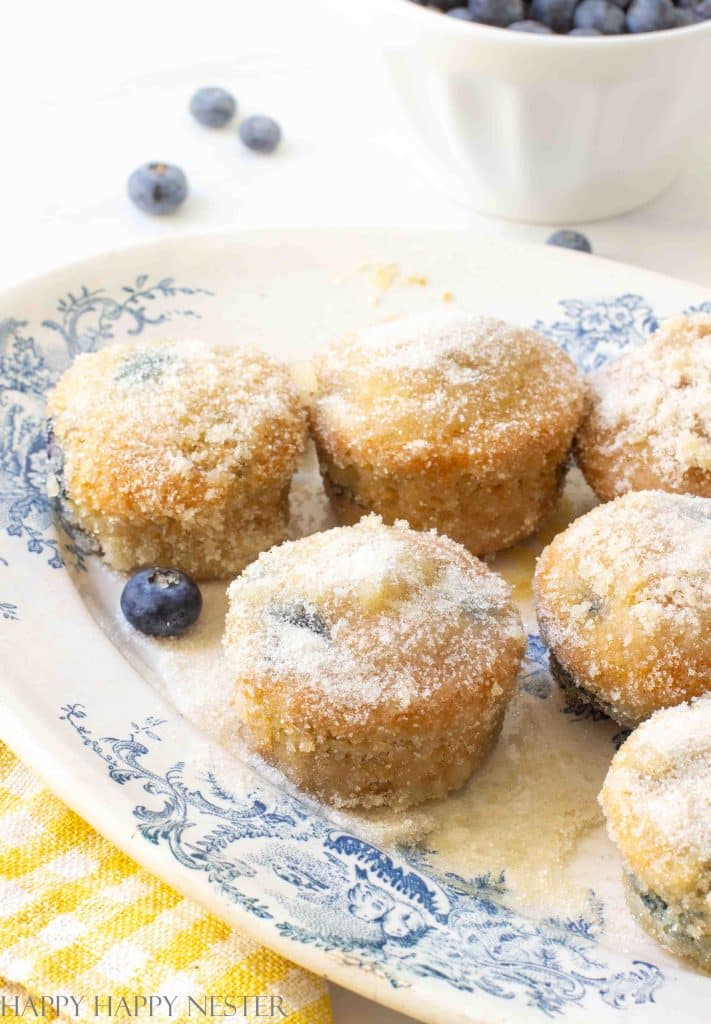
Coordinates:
623	598
657	800
162	428
449	387
370	622
649	418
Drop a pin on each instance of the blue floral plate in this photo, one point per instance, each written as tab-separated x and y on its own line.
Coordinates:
500	904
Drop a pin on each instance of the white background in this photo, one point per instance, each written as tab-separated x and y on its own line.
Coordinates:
88	90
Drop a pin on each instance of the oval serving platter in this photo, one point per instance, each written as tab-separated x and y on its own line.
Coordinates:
84	703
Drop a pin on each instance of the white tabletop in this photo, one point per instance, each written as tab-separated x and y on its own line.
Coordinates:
89	90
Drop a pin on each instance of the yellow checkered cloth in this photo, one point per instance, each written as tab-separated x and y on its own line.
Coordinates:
79	918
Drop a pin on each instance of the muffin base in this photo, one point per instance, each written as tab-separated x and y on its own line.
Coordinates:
485	515
216	543
397	773
580	694
683	932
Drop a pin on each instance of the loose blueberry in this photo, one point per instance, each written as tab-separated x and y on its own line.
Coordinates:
568	239
296	613
606	17
259	133
530	26
650	15
161	602
460	12
556	14
212	106
496	12
158	188
584	32
703	10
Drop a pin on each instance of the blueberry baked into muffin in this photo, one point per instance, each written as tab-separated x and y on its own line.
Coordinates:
176	453
648	421
372	664
657	801
623	598
448	420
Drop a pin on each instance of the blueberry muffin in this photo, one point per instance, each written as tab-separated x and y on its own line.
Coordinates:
657	801
448	420
176	453
623	598
648	421
372	664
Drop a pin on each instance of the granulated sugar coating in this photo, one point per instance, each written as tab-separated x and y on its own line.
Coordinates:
624	603
657	800
177	453
372	664
453	421
648	424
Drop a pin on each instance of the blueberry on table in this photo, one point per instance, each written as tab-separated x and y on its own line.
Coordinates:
260	133
161	602
606	17
556	14
212	106
650	15
568	239
496	12
158	188
528	25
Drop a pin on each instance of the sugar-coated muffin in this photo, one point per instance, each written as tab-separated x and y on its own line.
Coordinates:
648	420
176	453
373	664
657	800
453	421
623	598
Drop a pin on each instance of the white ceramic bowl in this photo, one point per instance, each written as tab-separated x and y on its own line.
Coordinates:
545	128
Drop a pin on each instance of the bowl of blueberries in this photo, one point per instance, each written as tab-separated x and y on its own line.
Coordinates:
550	111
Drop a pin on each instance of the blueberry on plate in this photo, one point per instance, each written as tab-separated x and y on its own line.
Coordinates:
585	32
496	12
158	187
212	106
650	15
568	239
460	12
702	10
606	17
161	602
556	14
260	133
536	27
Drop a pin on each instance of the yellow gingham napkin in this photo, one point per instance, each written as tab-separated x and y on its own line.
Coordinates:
79	918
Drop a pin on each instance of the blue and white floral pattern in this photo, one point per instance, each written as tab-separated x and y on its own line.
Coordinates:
593	332
345	895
